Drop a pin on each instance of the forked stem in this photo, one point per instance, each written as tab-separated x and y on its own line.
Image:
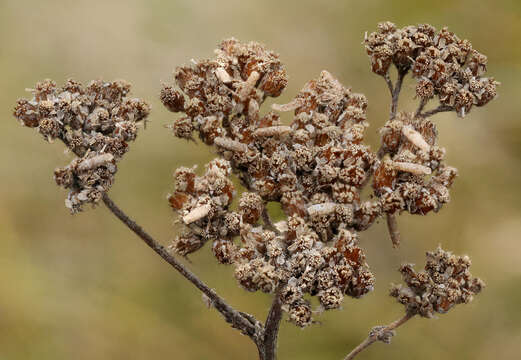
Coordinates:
395	90
268	346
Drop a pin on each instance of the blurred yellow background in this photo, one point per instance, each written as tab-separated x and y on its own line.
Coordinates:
84	287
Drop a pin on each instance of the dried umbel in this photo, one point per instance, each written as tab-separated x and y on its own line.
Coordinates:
411	175
289	258
445	282
316	168
445	66
95	122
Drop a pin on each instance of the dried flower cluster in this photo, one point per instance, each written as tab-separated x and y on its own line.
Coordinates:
289	257
445	282
95	123
445	66
316	168
414	177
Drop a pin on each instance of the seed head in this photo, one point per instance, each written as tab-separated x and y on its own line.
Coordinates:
95	122
445	282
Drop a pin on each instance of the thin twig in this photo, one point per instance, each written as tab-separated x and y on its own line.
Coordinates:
422	104
389	83
395	94
267	220
441	108
377	335
268	347
392	226
238	321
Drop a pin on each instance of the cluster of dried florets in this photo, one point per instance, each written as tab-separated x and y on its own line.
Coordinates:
315	168
329	162
289	258
445	282
220	99
294	262
444	65
95	123
413	178
203	203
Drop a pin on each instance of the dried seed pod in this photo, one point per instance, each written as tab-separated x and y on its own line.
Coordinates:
184	245
300	314
416	138
412	168
271	131
224	251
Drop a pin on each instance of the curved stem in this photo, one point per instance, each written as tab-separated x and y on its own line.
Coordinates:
421	106
395	90
378	335
246	324
441	108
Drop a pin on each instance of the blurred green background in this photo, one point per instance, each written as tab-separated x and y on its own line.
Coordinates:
84	287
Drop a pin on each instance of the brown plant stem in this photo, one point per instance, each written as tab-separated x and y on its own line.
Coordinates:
267	220
377	335
395	92
441	108
268	346
389	82
246	324
421	106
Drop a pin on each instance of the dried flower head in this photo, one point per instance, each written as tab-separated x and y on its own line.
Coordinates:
414	177
445	282
445	66
316	168
95	122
